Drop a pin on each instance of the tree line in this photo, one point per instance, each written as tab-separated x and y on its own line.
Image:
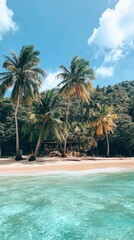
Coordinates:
95	121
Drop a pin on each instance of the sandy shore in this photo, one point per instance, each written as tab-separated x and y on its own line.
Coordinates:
9	166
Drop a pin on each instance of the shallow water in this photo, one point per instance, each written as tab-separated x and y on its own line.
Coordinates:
67	207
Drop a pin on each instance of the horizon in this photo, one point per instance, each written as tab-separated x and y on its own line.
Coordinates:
61	31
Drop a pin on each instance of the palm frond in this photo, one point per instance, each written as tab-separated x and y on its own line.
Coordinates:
8	82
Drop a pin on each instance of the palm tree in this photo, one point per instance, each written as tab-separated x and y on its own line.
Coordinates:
46	120
76	79
23	77
104	123
76	82
83	134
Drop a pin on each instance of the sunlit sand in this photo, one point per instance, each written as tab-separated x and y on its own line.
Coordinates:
9	166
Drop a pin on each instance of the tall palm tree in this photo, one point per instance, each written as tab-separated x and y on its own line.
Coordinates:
46	119
104	123
76	79
23	77
76	82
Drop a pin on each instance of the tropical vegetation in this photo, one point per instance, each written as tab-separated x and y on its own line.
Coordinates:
104	123
22	75
71	117
75	83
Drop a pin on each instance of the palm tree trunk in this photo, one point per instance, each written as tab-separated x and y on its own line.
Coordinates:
0	149
65	146
34	155
107	144
16	126
38	142
66	120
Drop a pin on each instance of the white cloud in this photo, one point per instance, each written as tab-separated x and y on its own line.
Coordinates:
115	33
114	55
50	81
104	71
6	21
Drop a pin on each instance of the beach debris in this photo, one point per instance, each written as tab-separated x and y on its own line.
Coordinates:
54	154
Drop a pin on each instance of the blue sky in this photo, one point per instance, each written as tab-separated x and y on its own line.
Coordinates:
99	31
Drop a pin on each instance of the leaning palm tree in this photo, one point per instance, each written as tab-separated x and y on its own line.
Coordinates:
23	77
46	120
104	123
76	82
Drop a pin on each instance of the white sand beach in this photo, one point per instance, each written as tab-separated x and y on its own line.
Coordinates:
10	166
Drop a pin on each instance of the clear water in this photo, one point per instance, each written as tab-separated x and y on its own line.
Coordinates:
67	207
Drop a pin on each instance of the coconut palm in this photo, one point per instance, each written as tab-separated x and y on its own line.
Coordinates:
76	82
76	79
46	119
23	77
104	123
82	134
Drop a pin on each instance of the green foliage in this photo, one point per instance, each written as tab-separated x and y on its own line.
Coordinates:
83	135
22	74
7	125
123	139
121	97
76	79
64	112
46	115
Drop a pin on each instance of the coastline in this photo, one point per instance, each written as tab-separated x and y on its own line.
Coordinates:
50	165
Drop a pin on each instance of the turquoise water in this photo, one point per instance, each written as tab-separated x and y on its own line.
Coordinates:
67	207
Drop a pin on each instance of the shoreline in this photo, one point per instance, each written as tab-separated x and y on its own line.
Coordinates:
58	165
